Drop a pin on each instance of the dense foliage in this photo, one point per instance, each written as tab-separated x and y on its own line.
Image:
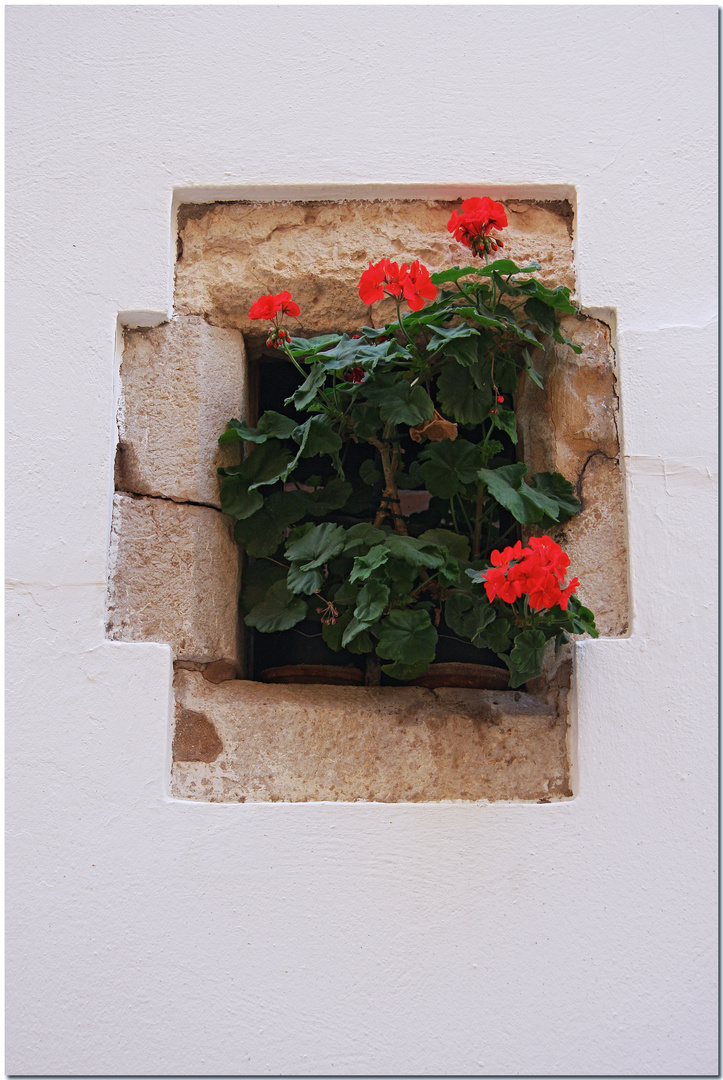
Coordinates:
426	404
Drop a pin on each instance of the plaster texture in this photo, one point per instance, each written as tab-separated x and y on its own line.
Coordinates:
181	382
173	578
152	935
380	744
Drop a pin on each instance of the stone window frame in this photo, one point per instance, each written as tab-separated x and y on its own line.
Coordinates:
164	506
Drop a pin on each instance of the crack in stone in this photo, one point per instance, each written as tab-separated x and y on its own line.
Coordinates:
581	477
166	498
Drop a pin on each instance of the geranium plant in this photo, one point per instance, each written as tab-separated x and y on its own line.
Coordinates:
422	404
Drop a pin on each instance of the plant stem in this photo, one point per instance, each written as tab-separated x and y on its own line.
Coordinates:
466	515
390	505
454	518
479	504
402	327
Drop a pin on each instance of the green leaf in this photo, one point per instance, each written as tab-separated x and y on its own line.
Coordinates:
526	659
405	672
401	577
306	393
279	610
409	638
265	465
258	577
459	613
490	450
460	397
532	372
352	629
549	499
262	533
557	298
270	425
366	421
468	615
303	346
480	318
582	619
541	314
507	267
352	351
364	565
504	484
363	535
334	633
505	420
369	473
416	553
258	535
316	436
560	491
239	431
448	336
236	499
285	507
371	602
399	402
497	636
325	499
320	544
304	582
465	351
454	274
447	467
457	545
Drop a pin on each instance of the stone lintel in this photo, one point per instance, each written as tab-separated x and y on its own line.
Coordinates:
231	253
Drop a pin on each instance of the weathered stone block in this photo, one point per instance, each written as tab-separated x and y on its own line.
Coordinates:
571	427
234	252
174	578
181	383
360	743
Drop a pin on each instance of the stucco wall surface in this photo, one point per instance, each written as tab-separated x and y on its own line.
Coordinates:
149	935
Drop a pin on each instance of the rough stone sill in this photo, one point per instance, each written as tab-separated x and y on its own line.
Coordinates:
242	741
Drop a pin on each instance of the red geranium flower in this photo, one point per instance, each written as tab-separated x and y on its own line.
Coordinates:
354	374
476	219
371	285
394	276
263	308
286	305
387	277
536	571
418	286
266	307
551	554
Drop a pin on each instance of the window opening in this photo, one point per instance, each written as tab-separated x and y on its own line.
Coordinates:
272	382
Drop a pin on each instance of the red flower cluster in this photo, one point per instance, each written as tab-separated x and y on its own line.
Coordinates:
354	374
267	307
472	226
388	277
277	337
537	571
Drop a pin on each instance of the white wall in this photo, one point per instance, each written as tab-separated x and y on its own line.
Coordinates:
149	936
